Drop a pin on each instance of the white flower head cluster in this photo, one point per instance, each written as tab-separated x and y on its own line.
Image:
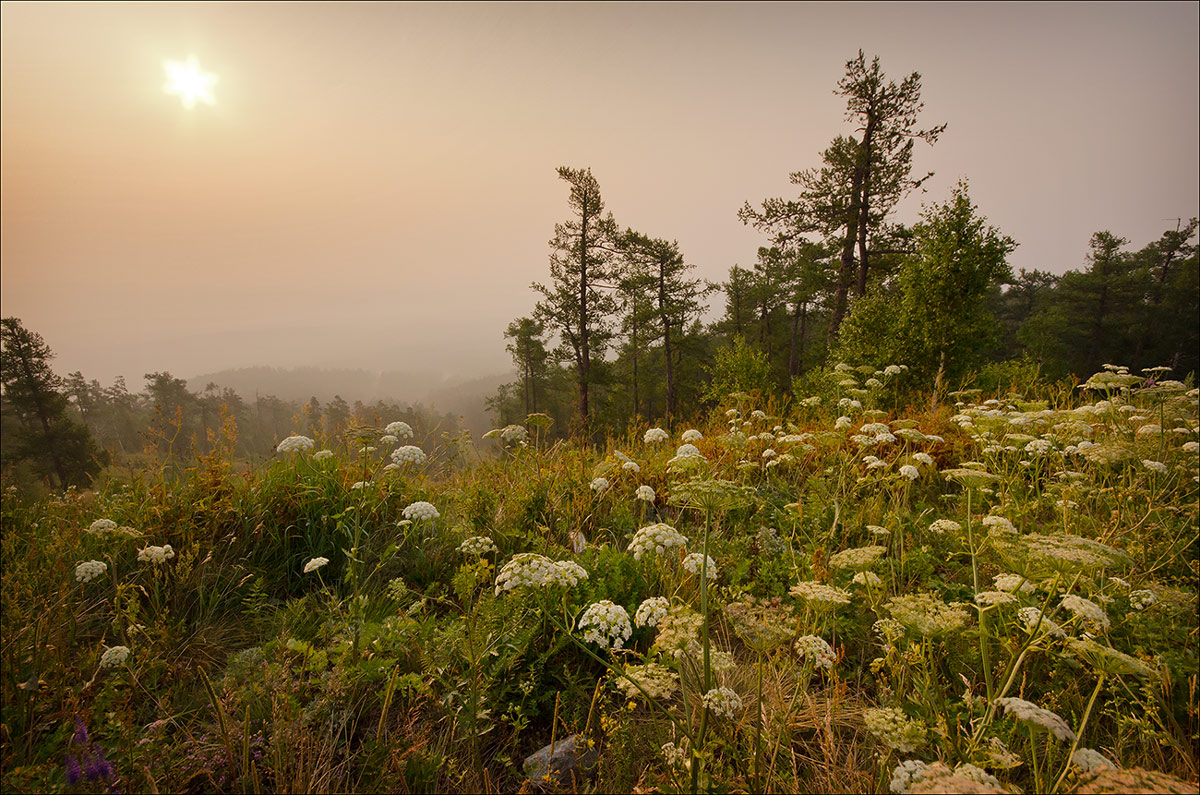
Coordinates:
530	570
723	702
867	579
926	615
1033	715
408	454
90	570
814	648
1013	583
676	756
658	681
652	611
691	435
477	546
295	444
606	625
1155	466
655	538
857	558
941	526
923	458
315	564
697	561
889	630
421	510
1190	447
102	526
895	729
114	657
600	485
819	596
1138	600
992	598
400	429
769	453
387	438
841	423
906	774
631	466
1092	614
156	554
514	434
688	450
322	455
645	493
993	522
1035	621
655	435
359	485
909	471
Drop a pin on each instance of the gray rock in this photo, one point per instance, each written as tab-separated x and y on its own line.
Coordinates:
568	759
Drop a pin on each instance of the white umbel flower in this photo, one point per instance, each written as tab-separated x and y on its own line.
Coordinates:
600	485
1033	715
655	538
816	649
645	493
421	510
90	570
114	657
156	554
691	435
723	702
295	444
606	625
315	564
408	454
697	560
651	611
477	546
655	435
400	429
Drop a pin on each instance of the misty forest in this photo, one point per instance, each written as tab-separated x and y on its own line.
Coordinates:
875	513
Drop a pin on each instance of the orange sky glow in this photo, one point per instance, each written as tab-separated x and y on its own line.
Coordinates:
374	185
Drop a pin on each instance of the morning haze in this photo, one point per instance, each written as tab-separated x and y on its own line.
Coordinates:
375	185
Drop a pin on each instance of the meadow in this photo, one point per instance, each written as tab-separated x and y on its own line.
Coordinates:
987	593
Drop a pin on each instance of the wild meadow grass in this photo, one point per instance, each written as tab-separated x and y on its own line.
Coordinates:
998	594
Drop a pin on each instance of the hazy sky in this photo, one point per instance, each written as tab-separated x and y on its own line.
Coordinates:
375	185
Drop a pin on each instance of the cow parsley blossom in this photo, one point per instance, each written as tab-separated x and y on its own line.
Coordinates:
723	702
156	554
895	729
114	657
408	454
655	538
90	570
651	611
421	510
477	546
1032	715
295	444
695	561
655	435
814	648
599	485
692	435
530	570
606	625
631	466
315	564
400	429
645	493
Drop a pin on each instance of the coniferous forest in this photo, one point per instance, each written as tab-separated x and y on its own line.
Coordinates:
875	513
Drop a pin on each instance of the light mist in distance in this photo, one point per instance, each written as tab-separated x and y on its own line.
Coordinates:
375	185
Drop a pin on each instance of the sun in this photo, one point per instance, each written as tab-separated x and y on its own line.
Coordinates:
186	81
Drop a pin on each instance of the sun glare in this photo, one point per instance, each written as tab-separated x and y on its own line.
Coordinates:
186	81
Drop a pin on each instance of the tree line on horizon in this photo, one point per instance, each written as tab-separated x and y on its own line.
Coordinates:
617	337
616	334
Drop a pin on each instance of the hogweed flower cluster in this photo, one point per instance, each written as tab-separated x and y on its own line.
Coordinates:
723	702
90	570
1032	715
819	596
655	435
926	615
295	444
658	681
655	538
606	624
816	650
477	546
401	429
408	454
895	729
314	564
421	510
858	558
114	657
156	554
651	611
531	570
698	563
645	493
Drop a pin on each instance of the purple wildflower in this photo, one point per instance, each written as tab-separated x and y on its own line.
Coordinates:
81	734
73	774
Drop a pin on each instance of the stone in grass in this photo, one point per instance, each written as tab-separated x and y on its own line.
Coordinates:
564	762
